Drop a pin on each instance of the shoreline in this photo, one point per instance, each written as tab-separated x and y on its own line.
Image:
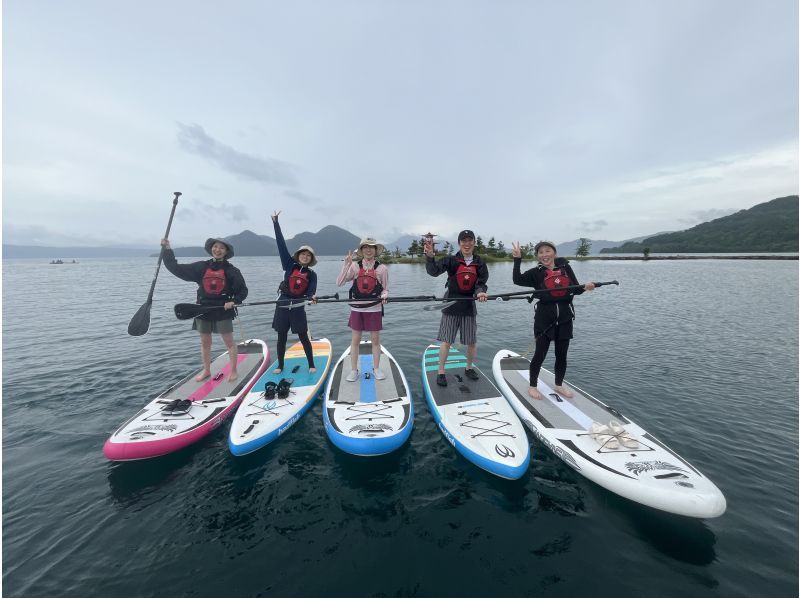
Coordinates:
489	259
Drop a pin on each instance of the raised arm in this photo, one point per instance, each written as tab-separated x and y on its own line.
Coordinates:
283	251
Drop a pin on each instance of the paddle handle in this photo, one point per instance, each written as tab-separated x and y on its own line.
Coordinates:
161	254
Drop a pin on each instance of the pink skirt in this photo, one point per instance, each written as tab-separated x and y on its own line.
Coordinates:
368	321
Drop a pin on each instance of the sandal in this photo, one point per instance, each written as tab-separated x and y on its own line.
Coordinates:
283	387
177	407
622	435
602	435
269	390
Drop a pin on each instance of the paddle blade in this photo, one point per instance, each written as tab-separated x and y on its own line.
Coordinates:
187	311
140	322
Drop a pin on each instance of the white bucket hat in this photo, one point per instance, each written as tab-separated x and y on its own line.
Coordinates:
379	248
307	248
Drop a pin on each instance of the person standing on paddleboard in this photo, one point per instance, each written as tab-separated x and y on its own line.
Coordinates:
467	276
369	291
219	283
299	284
553	311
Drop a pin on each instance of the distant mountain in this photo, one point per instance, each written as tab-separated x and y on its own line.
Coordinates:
330	240
769	226
569	247
402	243
40	251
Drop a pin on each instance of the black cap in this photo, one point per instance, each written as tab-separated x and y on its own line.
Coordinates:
464	234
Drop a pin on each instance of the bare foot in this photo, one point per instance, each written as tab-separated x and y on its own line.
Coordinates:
534	394
563	391
312	370
202	376
234	376
277	371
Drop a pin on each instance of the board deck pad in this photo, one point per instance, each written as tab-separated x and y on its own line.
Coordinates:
152	432
368	416
474	416
261	419
555	411
646	471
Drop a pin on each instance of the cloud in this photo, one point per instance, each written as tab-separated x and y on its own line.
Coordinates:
303	197
594	226
194	140
200	210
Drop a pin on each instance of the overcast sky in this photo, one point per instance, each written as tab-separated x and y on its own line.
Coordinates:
519	119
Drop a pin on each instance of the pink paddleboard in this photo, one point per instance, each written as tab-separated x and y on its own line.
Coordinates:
156	431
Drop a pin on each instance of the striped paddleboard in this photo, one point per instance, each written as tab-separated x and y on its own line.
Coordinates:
474	417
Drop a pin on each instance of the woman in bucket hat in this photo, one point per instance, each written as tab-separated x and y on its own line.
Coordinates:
552	320
219	283
299	284
370	290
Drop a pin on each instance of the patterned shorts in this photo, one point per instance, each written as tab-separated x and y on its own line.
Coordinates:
466	325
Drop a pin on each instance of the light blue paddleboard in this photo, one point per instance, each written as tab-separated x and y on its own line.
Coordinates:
262	418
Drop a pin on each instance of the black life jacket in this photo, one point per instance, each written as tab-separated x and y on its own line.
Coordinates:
366	285
466	276
556	279
214	282
297	284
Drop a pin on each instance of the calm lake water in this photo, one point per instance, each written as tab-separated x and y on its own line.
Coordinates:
704	354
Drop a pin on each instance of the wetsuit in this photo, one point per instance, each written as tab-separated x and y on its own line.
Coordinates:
553	317
290	311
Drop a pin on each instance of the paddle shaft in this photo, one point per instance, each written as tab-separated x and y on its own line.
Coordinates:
523	294
529	295
140	322
161	254
187	311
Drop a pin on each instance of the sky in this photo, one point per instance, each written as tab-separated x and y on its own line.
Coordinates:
519	119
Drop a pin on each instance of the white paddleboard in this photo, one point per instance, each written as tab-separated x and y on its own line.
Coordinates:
633	464
474	416
369	416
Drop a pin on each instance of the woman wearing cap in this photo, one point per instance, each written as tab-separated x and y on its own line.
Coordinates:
219	283
467	276
299	284
554	314
370	289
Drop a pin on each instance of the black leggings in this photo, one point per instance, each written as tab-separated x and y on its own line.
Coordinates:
542	345
304	340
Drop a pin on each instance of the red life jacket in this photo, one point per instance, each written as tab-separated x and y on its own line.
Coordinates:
366	285
298	283
214	282
466	276
555	279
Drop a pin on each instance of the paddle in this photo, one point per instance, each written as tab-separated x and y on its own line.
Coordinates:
187	311
140	322
529	295
410	299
